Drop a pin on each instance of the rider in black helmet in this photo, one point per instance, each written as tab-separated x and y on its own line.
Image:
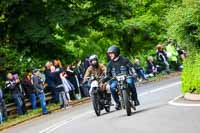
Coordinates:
113	68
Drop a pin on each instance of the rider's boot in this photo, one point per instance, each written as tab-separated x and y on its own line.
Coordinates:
136	102
118	106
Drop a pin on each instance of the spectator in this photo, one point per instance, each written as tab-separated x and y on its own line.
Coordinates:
3	112
139	70
162	58
172	55
38	84
57	64
152	68
79	70
13	84
50	82
71	76
29	89
57	76
182	53
87	62
68	87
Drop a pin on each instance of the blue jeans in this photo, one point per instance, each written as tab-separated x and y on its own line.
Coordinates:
19	102
1	117
131	85
141	74
33	100
42	102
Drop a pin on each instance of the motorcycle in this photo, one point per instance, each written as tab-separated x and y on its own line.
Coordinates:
124	91
100	98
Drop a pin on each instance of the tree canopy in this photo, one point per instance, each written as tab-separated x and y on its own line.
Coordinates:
32	31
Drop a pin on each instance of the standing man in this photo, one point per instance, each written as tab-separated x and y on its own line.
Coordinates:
38	84
13	84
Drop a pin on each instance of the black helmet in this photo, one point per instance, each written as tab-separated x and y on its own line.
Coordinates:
93	57
114	49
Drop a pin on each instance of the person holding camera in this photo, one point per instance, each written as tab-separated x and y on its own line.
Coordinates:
13	84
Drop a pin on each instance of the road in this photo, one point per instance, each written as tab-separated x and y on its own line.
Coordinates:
154	115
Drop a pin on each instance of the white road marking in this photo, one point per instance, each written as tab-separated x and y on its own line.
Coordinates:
173	102
59	124
160	88
144	93
64	122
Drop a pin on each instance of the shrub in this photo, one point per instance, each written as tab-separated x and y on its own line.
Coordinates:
191	74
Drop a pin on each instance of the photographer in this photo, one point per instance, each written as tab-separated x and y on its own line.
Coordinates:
13	84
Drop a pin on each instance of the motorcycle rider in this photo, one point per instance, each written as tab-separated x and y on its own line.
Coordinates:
96	69
116	61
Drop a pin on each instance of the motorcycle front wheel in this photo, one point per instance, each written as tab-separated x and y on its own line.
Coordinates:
127	104
96	104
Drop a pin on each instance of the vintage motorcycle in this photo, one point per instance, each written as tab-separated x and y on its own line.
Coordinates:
100	98
124	91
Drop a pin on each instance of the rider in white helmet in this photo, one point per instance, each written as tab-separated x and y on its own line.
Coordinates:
96	69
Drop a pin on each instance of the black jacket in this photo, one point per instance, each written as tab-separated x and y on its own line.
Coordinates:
150	67
162	56
114	67
13	86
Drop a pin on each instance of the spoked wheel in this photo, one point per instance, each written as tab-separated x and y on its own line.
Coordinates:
127	102
96	104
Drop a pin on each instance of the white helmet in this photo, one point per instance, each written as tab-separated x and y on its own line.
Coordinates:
93	57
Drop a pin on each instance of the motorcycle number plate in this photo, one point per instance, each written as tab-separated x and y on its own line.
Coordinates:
121	78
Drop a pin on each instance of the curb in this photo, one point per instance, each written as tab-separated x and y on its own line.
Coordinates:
182	102
192	97
73	103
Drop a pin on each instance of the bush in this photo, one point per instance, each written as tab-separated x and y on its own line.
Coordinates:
191	74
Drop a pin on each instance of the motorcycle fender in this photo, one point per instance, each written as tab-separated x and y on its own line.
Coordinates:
94	84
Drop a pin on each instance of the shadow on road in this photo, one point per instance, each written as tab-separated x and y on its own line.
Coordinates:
103	113
142	110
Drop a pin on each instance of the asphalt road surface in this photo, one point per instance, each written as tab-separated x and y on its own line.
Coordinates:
155	115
